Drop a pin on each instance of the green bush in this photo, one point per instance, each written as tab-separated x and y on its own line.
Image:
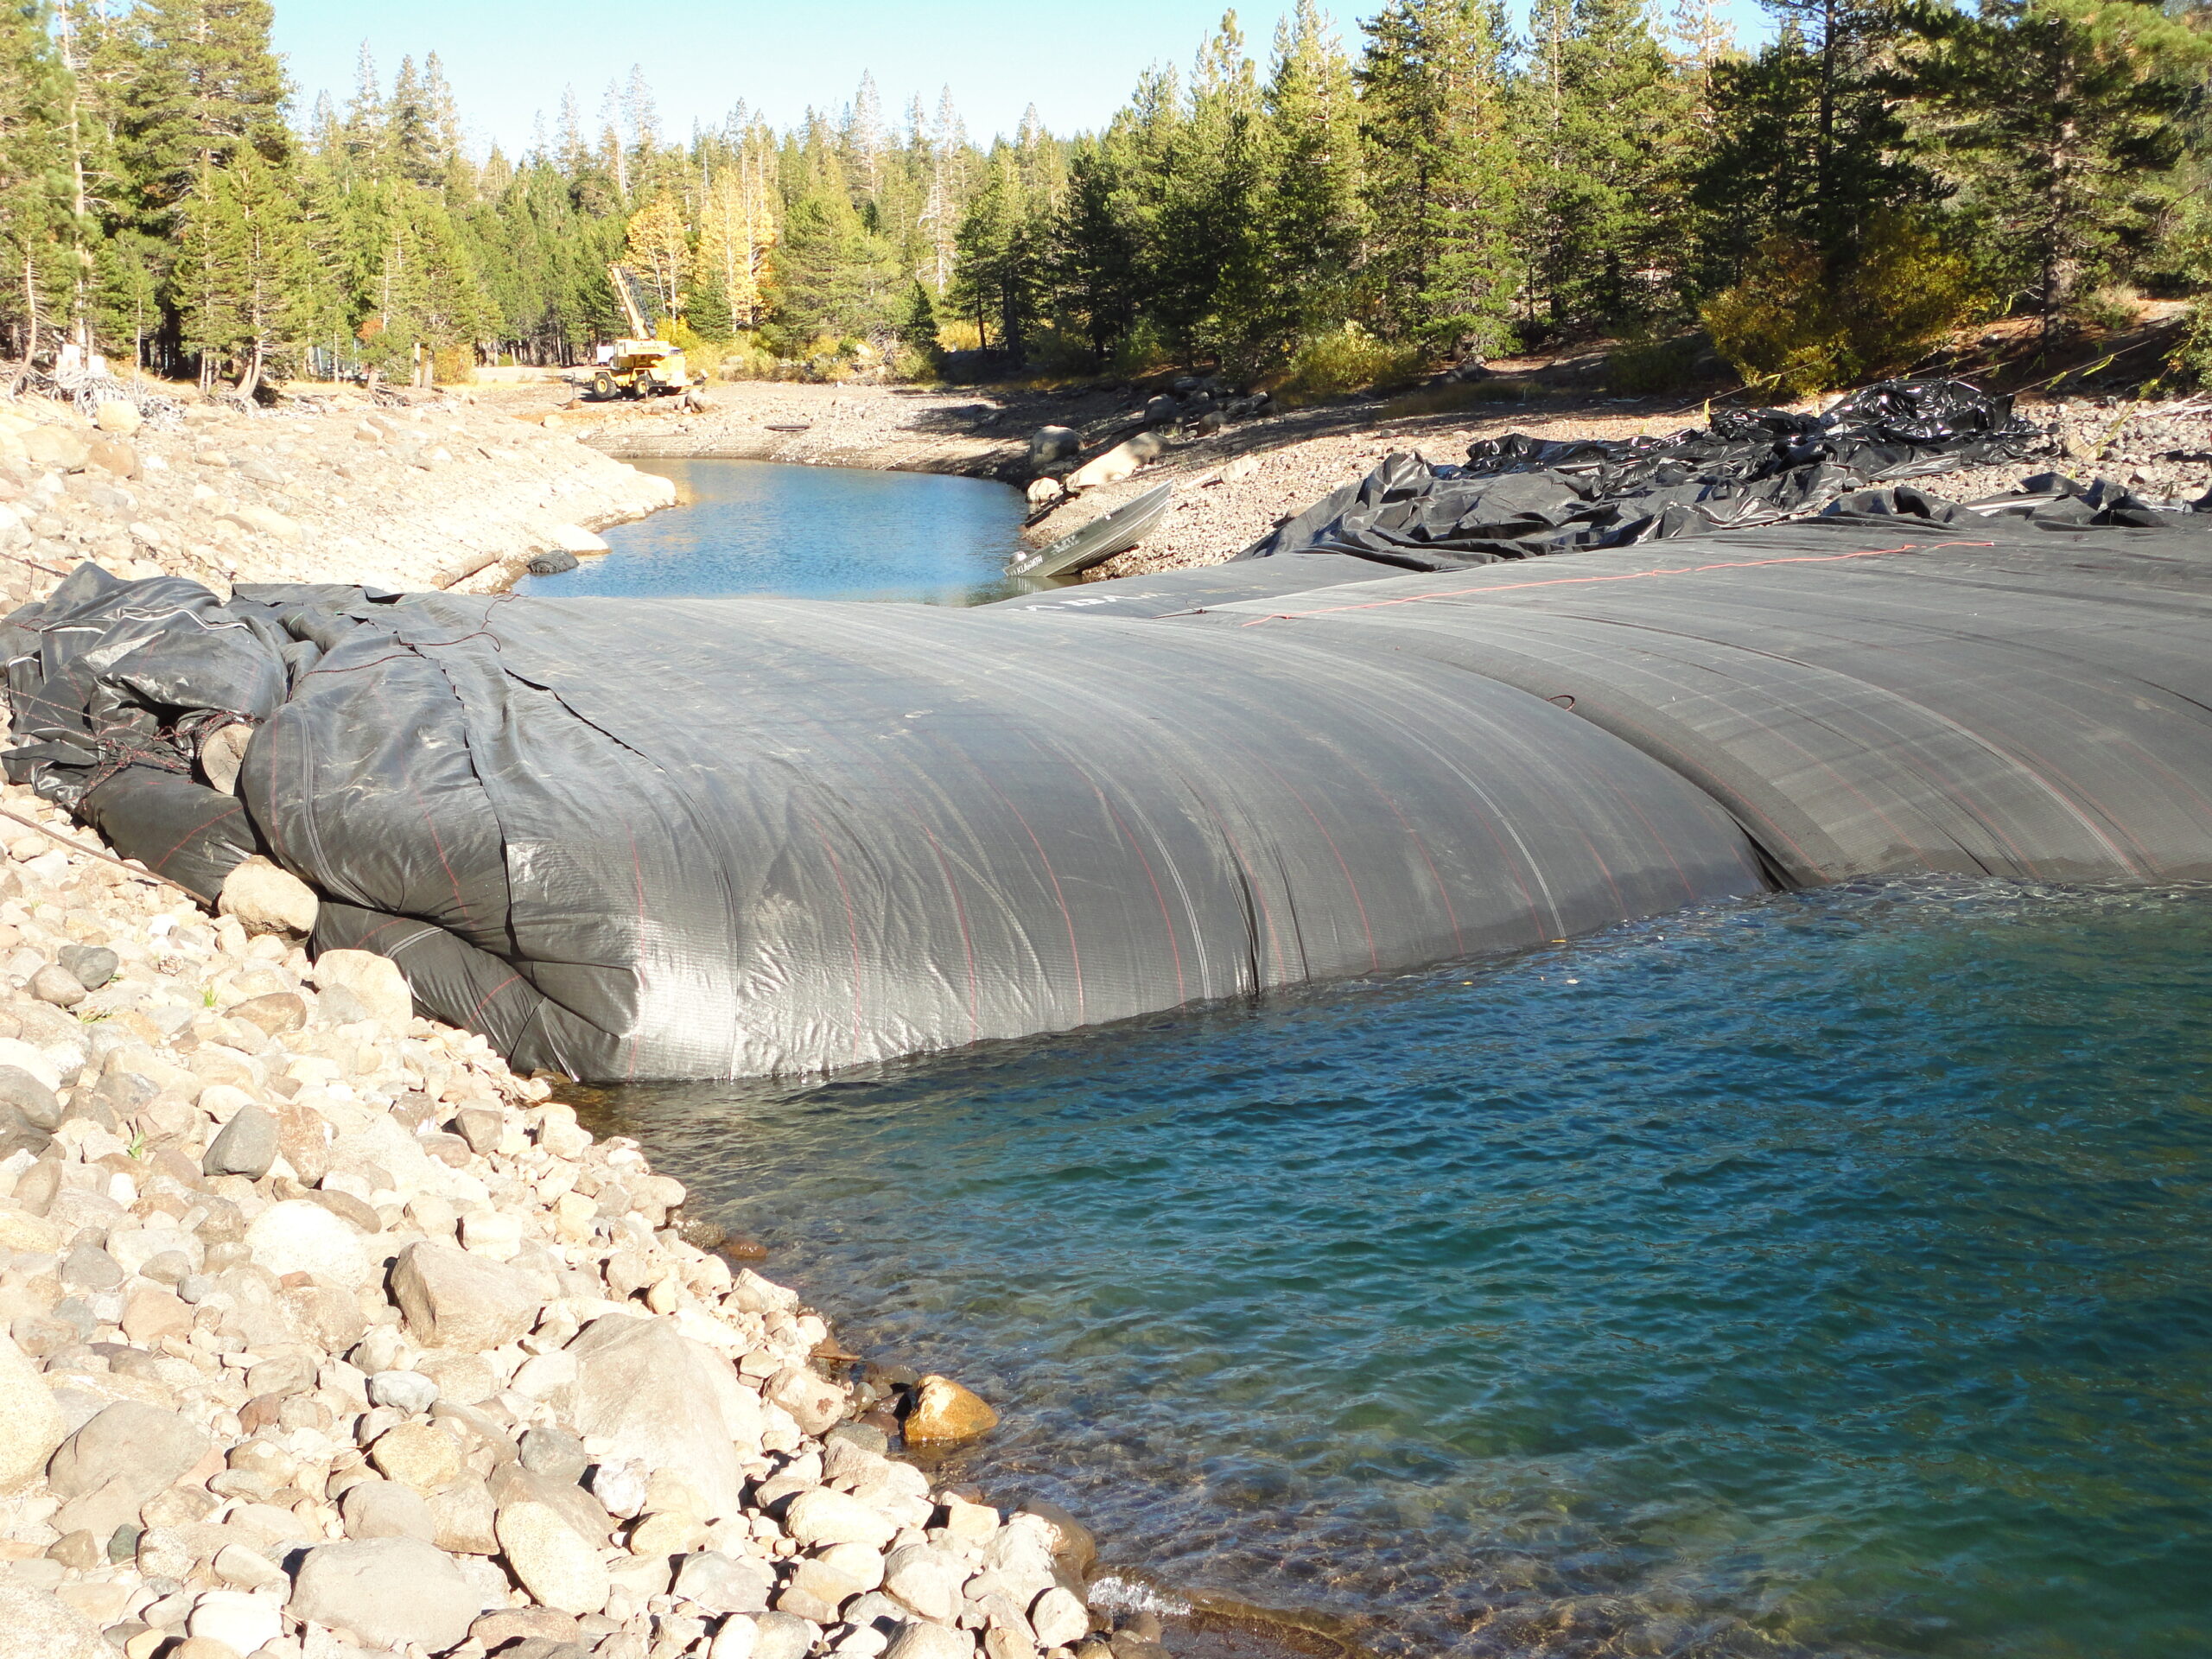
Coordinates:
1346	359
1143	350
1794	327
2193	357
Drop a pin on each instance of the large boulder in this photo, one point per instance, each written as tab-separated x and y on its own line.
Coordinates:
1051	444
142	1447
455	1299
1122	461
36	1625
653	1395
388	1592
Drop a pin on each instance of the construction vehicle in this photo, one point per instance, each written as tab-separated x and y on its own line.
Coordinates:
639	365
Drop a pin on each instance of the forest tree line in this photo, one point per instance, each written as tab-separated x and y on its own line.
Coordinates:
1440	185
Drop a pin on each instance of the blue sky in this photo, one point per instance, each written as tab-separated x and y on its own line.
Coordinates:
509	59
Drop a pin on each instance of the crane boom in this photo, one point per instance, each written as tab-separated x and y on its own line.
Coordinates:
626	294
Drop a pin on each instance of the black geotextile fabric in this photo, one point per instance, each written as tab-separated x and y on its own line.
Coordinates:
738	837
1989	698
1519	497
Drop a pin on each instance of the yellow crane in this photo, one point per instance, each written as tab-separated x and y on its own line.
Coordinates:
637	365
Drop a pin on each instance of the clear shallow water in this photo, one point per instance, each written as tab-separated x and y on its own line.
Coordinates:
809	532
1827	1274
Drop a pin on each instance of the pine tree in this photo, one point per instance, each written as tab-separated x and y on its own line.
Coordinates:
737	227
1626	131
243	273
35	190
1205	263
2058	123
1311	215
998	275
837	277
1439	171
204	80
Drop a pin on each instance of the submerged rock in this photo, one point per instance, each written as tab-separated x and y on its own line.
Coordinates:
944	1413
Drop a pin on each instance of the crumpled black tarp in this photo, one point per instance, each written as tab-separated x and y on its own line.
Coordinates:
1519	497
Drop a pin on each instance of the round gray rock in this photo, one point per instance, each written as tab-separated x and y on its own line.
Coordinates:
408	1391
92	964
246	1144
386	1508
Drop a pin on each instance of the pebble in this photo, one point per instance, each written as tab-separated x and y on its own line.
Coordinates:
240	1620
387	1508
418	1455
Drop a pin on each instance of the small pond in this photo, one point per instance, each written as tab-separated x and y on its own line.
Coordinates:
810	532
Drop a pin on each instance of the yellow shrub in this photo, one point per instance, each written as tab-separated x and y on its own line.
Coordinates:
1793	328
453	365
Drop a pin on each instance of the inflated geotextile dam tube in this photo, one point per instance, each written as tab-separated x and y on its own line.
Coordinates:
738	836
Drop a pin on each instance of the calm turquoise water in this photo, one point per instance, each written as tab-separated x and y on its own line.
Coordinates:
1826	1275
810	532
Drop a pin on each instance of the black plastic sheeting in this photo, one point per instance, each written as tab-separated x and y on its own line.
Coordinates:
2007	703
717	837
1519	497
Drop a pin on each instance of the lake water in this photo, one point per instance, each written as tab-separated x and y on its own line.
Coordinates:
1828	1275
810	532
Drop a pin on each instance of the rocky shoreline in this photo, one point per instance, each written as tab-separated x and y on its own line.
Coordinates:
322	1334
